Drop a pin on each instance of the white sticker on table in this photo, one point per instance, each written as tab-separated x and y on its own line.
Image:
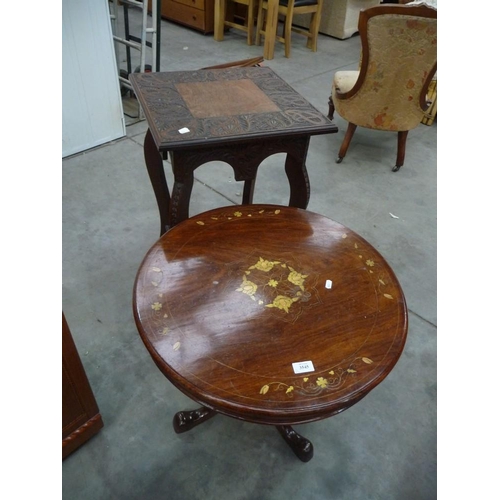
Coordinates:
303	367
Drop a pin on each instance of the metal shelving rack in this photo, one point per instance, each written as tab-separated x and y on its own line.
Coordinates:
138	43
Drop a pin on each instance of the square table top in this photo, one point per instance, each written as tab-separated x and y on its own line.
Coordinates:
205	107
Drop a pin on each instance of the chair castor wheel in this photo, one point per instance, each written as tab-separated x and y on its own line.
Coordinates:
339	160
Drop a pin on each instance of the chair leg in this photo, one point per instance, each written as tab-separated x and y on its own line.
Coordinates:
347	140
260	23
312	42
249	22
219	16
288	34
331	108
401	150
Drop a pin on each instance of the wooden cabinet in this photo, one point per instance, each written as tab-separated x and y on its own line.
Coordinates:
80	415
196	14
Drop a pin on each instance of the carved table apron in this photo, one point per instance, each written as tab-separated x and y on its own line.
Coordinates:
237	115
269	314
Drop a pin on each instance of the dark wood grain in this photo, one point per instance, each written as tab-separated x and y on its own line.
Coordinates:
282	112
80	414
226	301
302	447
185	420
238	115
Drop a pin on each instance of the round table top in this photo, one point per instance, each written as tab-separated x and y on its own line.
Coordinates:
269	314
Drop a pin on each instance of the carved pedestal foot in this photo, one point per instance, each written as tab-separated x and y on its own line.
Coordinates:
185	420
301	446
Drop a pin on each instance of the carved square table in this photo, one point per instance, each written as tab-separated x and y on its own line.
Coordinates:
269	314
239	116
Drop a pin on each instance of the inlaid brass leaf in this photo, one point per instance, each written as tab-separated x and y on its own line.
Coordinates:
277	212
157	269
350	370
290	389
176	346
388	296
368	361
201	223
322	382
264	389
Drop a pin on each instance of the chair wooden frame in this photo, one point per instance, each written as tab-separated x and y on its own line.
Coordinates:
364	17
288	11
220	21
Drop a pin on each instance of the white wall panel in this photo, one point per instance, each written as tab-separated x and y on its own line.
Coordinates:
91	101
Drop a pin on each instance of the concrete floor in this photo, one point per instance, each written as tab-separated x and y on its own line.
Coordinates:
382	448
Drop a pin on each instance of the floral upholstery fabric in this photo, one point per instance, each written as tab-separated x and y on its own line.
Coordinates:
343	81
401	50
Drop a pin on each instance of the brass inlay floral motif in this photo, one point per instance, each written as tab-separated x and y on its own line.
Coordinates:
315	385
311	386
238	214
274	284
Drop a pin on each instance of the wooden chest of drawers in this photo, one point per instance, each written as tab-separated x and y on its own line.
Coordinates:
196	14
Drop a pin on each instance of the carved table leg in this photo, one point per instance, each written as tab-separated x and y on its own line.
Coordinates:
248	188
183	165
185	420
301	446
154	165
245	159
295	168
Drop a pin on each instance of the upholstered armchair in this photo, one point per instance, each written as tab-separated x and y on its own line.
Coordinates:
398	61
